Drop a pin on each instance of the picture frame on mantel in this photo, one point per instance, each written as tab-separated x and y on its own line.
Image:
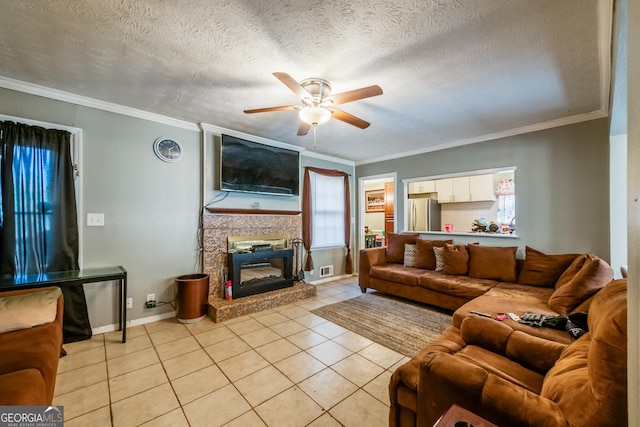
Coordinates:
374	200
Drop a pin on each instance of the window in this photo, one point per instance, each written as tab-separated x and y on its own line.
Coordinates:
38	216
34	201
326	213
328	206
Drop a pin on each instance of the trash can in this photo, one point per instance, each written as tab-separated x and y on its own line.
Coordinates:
192	302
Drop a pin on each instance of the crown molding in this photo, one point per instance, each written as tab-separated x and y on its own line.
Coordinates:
84	101
72	98
578	118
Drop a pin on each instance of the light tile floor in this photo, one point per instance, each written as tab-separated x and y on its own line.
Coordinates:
284	367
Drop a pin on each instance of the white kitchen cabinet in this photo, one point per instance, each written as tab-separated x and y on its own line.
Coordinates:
419	187
475	188
481	188
453	190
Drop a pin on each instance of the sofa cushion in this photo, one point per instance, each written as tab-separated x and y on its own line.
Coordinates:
493	262
540	269
396	273
457	285
514	298
425	257
409	255
395	246
502	367
584	277
28	310
456	259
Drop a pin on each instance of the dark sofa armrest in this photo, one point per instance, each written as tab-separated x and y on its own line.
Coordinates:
445	380
368	258
532	352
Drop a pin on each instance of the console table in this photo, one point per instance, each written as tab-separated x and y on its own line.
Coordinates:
76	278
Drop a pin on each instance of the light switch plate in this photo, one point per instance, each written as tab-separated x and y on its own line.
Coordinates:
95	219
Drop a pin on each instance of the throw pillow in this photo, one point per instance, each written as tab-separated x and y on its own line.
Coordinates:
540	269
409	255
425	257
395	246
493	262
27	310
584	277
456	259
437	251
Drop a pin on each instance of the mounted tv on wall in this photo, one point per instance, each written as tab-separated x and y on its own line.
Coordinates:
258	168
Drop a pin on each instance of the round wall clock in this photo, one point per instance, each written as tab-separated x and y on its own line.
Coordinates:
167	149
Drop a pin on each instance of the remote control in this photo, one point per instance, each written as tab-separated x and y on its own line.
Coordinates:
514	316
480	314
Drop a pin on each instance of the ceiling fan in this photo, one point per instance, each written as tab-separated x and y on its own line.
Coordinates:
318	105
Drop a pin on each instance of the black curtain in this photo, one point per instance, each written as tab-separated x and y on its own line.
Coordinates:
38	216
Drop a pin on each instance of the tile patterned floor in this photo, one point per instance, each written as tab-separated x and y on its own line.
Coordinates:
285	367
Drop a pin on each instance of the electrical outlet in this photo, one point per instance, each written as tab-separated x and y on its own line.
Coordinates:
151	301
129	302
95	219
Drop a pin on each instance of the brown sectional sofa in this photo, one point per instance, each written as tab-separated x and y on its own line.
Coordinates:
30	345
492	279
487	280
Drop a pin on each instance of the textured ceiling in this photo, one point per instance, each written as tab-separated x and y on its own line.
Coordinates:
451	70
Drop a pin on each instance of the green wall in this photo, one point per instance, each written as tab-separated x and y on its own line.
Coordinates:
562	184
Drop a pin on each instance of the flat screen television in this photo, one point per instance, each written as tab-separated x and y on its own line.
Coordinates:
258	168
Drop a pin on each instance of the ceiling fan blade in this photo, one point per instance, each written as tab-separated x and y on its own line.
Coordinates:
268	109
304	128
293	85
356	94
349	118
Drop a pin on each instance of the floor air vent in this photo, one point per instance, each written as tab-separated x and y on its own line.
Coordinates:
326	270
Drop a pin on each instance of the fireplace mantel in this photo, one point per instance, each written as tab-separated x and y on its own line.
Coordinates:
234	211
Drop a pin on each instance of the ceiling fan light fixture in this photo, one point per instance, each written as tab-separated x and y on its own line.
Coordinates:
315	115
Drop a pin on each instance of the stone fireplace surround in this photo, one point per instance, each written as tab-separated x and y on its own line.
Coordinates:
218	224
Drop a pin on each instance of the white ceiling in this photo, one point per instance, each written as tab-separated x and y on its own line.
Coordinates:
452	71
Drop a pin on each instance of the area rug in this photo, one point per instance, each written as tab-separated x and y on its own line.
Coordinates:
398	324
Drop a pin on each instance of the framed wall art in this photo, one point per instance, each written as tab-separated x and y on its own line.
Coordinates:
374	200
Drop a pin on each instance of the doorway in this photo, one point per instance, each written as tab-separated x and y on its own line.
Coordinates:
377	209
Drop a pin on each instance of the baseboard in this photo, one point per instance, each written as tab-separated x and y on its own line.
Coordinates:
333	278
170	314
132	323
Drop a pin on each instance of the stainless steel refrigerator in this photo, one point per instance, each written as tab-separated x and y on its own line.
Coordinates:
424	215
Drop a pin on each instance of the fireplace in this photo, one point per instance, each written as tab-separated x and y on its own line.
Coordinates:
257	264
218	225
